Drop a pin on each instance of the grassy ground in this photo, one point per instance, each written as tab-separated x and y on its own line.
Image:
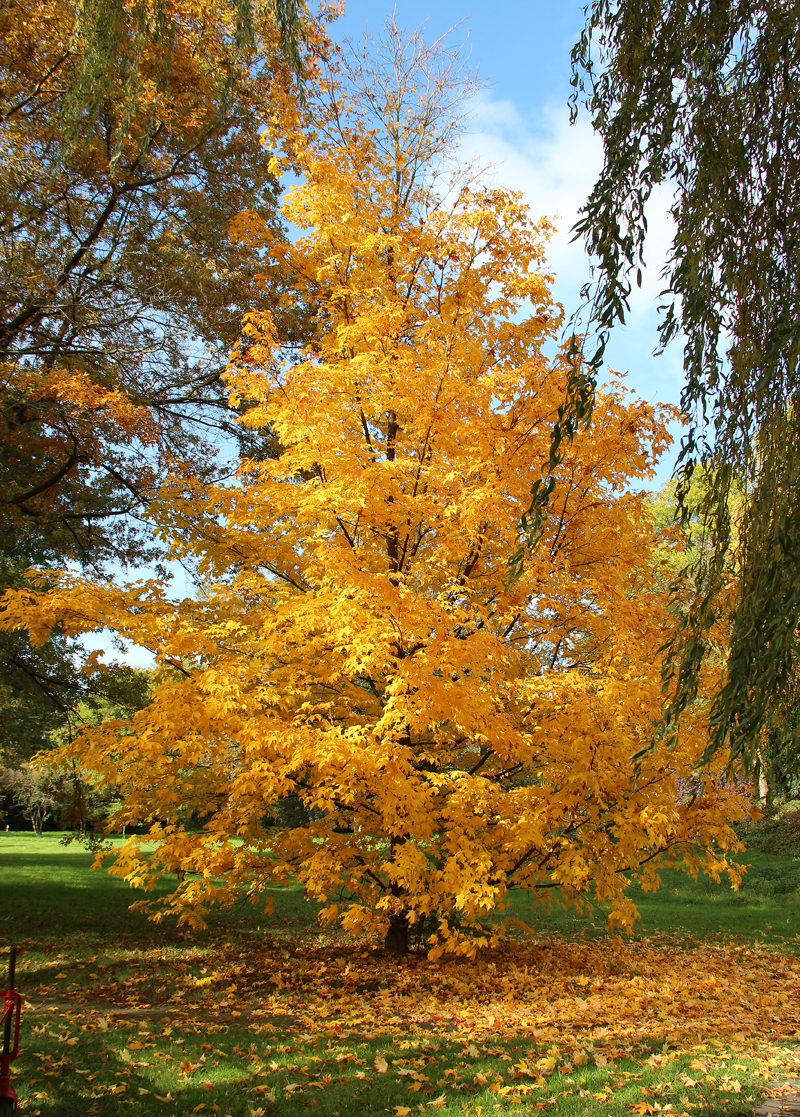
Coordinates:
766	907
698	1013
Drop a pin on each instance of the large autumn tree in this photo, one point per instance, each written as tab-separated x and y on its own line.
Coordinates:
130	138
358	644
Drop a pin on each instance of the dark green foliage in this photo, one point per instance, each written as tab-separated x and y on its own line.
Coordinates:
705	96
291	812
774	880
782	757
778	832
131	137
44	694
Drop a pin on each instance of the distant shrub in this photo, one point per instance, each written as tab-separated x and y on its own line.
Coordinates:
773	880
778	831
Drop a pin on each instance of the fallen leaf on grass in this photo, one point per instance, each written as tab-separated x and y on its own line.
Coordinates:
402	1110
439	1103
167	1097
380	1064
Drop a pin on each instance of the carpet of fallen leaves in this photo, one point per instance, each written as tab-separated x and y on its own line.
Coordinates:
554	990
251	1027
274	1018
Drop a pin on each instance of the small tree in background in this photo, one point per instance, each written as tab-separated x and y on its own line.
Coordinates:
37	792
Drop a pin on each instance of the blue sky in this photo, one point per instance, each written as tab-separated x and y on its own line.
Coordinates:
521	48
520	125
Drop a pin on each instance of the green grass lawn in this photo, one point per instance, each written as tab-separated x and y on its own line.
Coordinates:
766	907
105	1035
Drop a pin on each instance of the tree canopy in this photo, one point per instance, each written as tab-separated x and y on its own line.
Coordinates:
130	138
705	97
359	646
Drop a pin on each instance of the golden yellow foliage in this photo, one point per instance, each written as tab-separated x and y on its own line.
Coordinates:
448	735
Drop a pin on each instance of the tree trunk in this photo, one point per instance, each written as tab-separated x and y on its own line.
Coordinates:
763	782
763	787
396	941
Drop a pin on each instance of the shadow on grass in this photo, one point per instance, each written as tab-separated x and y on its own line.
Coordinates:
45	885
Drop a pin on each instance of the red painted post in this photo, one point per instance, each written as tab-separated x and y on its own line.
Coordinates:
12	1012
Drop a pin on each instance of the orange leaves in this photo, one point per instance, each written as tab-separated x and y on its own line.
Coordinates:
103	210
527	993
484	1032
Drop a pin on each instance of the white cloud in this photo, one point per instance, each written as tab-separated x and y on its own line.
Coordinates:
554	166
